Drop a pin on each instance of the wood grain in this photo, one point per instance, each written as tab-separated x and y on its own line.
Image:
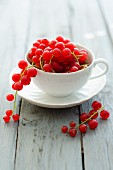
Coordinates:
13	29
97	145
37	143
41	145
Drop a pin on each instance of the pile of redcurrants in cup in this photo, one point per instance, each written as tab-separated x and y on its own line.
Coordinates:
57	56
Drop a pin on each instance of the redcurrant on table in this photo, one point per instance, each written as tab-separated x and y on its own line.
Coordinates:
36	141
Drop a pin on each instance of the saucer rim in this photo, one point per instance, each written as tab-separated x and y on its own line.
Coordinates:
55	106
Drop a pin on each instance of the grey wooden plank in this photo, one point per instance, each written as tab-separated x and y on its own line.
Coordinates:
89	29
106	8
41	144
13	29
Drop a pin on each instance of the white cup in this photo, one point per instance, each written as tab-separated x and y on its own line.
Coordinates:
64	84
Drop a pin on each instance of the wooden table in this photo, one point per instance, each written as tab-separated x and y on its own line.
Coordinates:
39	144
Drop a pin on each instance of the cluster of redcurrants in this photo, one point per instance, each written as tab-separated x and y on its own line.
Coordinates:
57	56
89	118
19	79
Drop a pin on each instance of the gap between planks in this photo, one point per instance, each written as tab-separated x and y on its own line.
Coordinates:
82	145
20	103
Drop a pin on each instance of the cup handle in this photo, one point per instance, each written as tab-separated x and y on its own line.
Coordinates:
98	61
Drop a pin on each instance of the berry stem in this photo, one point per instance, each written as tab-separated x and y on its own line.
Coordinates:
26	69
41	63
14	105
90	116
75	56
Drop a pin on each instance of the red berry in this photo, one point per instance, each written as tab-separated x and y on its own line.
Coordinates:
47	55
52	43
66	41
30	55
60	39
70	45
83	57
33	49
96	105
84	116
16	77
38	52
39	40
76	51
36	44
83	128
60	46
56	52
77	65
66	52
72	124
25	80
104	114
64	129
45	41
6	119
9	112
56	67
72	132
15	117
47	68
73	69
92	123
17	86
92	112
22	64
10	97
35	59
13	86
31	72
42	46
48	49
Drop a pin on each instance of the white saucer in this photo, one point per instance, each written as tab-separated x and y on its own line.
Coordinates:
37	97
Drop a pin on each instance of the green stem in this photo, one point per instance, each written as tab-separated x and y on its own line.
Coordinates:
75	56
14	105
91	116
27	68
41	63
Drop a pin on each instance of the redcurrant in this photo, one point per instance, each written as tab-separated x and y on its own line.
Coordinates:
93	123
25	80
22	64
84	116
31	72
9	112
83	128
96	105
93	112
104	114
64	129
10	97
72	132
72	124
15	117
16	77
17	86
6	119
